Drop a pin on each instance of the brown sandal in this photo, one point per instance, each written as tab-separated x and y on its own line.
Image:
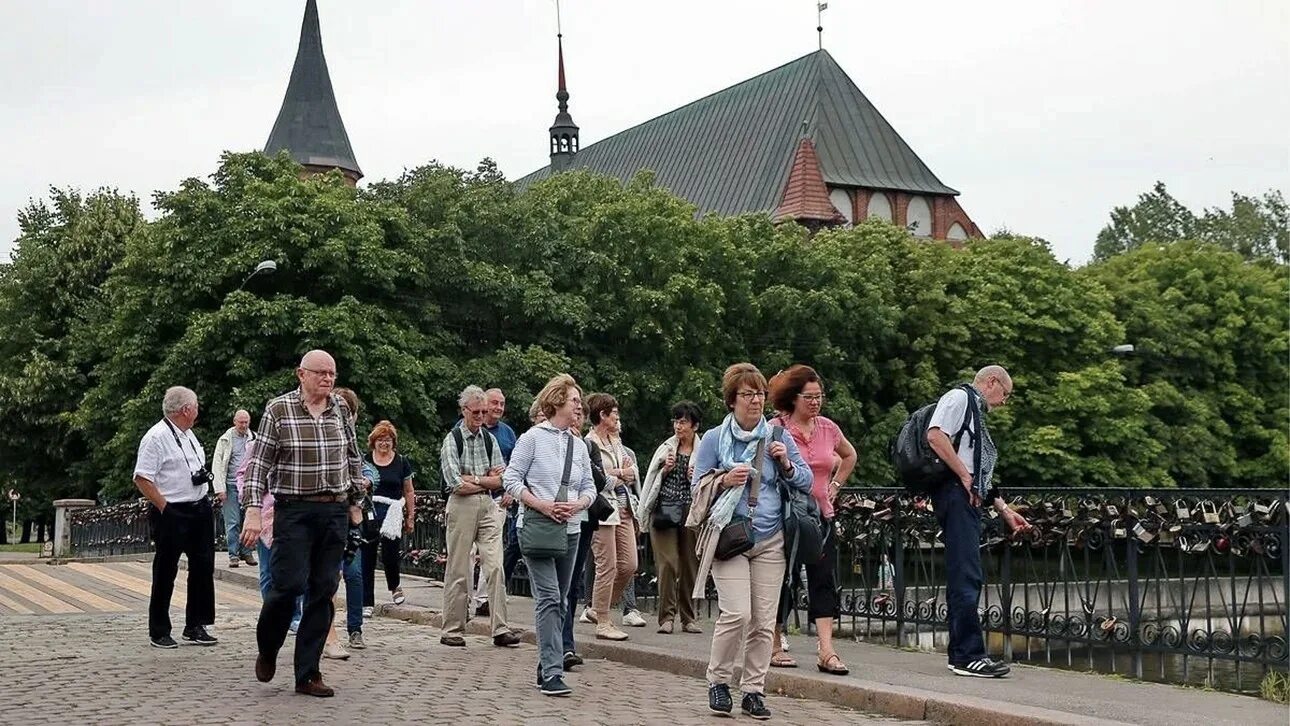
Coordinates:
833	664
781	659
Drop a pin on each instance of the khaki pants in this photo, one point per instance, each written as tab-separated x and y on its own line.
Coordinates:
748	588
613	548
473	520
677	565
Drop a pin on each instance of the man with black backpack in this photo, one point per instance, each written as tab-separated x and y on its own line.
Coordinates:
959	438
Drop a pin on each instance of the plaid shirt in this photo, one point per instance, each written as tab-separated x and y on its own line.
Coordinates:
302	455
474	457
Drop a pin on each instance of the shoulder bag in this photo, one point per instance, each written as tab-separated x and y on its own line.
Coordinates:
541	536
737	536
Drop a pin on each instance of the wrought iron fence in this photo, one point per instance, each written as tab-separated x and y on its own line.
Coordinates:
118	529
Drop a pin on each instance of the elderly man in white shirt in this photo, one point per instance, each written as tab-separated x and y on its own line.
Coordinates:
170	471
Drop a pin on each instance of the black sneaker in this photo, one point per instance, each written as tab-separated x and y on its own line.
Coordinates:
982	668
555	686
719	701
197	635
164	641
482	610
571	659
755	705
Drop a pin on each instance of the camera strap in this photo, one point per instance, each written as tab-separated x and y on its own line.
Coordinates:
175	433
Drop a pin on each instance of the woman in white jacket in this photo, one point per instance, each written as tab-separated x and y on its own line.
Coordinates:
665	504
613	547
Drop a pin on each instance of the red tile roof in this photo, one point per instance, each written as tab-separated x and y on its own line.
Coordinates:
806	198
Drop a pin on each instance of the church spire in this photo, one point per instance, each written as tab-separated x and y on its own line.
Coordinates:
564	132
309	124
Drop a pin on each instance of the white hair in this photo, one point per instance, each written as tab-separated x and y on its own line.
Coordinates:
176	398
992	371
470	393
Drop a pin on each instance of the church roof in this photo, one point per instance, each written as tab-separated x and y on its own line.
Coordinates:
731	152
309	124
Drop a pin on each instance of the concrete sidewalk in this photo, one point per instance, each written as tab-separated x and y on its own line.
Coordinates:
883	679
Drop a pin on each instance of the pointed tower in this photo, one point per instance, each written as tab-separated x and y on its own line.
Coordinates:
564	132
309	124
806	197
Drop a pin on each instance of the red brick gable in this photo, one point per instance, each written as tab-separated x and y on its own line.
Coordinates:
806	198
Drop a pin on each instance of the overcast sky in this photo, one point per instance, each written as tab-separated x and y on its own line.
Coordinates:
1044	115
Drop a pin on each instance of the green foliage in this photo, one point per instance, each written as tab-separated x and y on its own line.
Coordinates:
443	277
1275	687
1255	228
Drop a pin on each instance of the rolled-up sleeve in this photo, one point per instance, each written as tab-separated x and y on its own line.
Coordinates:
449	465
266	451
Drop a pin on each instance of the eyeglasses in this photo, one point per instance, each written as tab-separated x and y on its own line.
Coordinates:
751	395
319	373
476	411
812	397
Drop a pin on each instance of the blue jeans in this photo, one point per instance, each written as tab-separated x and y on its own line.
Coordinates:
233	521
549	578
961	524
266	582
353	574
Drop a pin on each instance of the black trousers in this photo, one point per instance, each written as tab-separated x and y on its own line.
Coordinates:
308	545
821	584
391	556
186	528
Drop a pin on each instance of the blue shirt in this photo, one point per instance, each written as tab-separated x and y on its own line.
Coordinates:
768	518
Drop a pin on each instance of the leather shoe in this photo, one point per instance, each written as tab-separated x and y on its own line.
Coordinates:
265	667
455	641
506	640
315	687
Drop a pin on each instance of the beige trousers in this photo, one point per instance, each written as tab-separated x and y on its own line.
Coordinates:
613	549
473	520
748	588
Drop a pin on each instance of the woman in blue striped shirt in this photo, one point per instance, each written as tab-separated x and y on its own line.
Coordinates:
533	477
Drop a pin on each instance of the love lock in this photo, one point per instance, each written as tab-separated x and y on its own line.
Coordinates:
867	504
1142	533
1169	534
1155	504
1182	510
1259	508
1209	513
1118	530
1111	511
1245	520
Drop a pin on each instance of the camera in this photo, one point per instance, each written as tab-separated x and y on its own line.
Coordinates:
202	477
353	541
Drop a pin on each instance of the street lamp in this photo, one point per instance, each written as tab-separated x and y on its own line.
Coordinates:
1123	349
267	267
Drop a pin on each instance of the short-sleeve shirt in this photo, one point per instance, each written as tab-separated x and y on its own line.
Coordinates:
949	417
162	462
389	483
819	452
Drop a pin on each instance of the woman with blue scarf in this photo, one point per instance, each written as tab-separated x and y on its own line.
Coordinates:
748	584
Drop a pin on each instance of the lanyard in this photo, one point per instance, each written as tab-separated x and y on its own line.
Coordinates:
175	433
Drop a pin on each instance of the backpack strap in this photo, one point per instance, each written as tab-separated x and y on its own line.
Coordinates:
460	441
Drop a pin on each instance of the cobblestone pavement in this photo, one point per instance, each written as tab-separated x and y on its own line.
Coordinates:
98	668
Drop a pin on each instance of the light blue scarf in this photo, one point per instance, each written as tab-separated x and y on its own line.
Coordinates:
724	508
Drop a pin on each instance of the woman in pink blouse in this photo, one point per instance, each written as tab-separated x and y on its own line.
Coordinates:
798	393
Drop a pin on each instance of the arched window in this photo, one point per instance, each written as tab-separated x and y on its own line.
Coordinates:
956	233
880	207
918	217
841	199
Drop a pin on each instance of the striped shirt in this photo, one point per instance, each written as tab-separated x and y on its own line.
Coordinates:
474	457
306	456
537	463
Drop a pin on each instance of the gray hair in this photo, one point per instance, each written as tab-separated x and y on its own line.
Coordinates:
990	371
470	393
176	398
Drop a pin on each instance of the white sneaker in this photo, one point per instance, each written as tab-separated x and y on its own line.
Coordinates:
335	652
633	619
783	642
369	611
587	616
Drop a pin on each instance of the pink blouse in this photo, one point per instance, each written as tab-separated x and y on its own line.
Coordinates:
819	452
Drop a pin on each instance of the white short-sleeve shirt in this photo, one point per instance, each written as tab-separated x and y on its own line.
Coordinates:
162	462
949	417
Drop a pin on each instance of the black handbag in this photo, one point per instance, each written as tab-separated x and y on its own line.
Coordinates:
670	515
541	536
600	509
737	536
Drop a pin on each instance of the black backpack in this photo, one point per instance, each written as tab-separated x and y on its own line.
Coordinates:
804	528
917	466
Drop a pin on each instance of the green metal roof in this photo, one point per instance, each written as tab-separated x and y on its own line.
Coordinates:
730	152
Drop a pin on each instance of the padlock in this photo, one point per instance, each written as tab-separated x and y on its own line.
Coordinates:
1182	510
1118	530
1168	534
1245	520
1111	511
1259	508
1142	533
867	504
1209	513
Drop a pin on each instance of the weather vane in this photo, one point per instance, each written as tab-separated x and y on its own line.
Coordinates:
819	20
